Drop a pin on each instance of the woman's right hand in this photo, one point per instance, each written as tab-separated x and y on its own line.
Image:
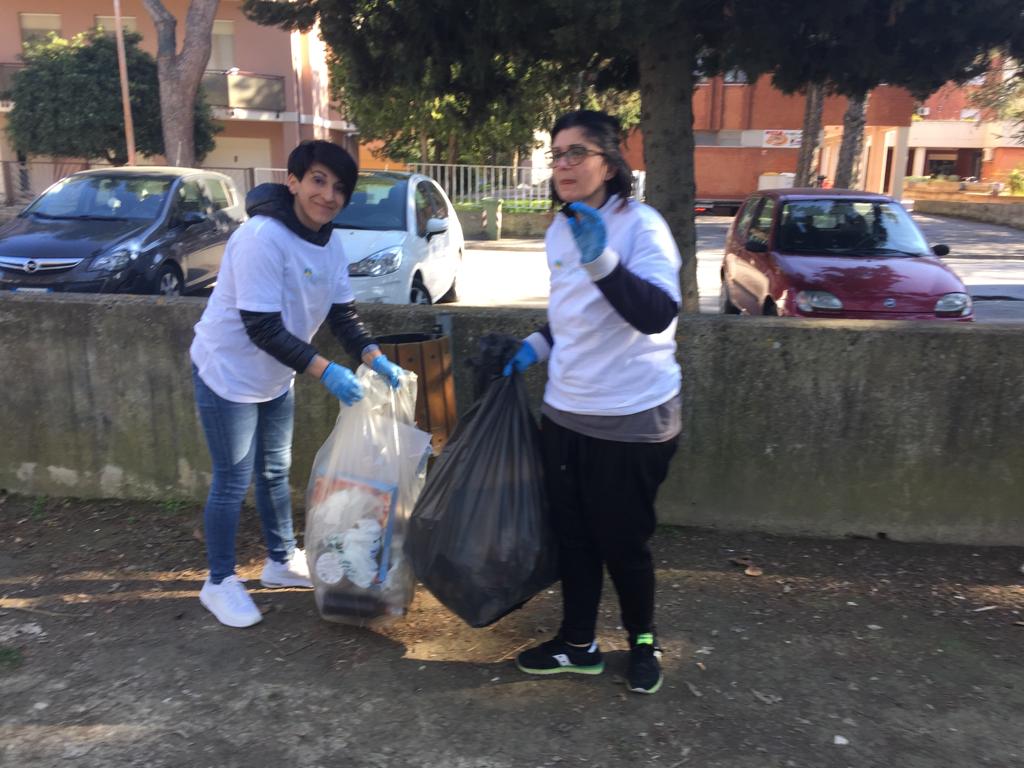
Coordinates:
342	383
524	357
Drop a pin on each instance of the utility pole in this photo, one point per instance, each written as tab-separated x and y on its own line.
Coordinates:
122	64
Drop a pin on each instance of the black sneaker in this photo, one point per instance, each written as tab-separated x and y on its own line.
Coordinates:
644	673
556	655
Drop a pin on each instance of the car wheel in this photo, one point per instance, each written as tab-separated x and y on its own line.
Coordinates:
725	305
419	294
168	281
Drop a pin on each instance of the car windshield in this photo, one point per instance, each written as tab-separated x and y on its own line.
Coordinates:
115	197
378	203
855	227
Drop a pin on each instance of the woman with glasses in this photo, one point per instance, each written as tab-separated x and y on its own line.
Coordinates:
611	412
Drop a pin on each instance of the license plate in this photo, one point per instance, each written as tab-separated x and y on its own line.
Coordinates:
19	289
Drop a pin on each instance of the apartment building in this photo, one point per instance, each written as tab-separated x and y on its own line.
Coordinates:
746	131
268	87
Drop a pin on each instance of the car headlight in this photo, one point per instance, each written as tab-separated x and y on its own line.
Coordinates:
114	260
954	305
812	301
376	264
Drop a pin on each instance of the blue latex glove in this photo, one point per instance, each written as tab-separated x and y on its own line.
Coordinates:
388	370
588	231
524	357
342	383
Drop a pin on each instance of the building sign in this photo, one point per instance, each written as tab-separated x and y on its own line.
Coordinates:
777	139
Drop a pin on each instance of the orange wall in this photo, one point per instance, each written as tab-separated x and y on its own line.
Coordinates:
1004	160
720	106
732	172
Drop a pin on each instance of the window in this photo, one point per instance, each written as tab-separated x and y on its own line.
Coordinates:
222	50
424	206
190	199
38	26
735	77
107	24
439	206
743	220
762	226
108	197
217	194
378	203
858	227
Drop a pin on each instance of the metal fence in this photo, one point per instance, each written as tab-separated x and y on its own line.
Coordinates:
465	184
472	183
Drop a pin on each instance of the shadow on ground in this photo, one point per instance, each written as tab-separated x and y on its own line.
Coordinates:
843	653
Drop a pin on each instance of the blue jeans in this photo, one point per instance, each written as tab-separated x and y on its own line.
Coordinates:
241	437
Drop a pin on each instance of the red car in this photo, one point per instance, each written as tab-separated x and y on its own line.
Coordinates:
835	253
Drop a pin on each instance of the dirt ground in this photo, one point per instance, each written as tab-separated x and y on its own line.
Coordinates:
842	653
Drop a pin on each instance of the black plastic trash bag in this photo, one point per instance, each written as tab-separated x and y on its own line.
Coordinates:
479	537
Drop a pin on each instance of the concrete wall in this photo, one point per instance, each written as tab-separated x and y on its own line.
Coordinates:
512	224
997	210
833	428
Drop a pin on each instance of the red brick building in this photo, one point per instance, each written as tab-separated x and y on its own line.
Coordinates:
745	130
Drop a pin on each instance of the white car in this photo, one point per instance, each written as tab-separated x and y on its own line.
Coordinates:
402	238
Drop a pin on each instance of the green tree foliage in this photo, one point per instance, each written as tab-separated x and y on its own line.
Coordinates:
479	50
1002	95
851	47
67	101
475	48
419	122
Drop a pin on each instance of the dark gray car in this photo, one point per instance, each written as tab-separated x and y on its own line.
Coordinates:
122	230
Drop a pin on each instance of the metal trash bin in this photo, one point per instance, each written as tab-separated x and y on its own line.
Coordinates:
429	356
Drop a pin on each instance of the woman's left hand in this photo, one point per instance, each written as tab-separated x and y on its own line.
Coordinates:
388	370
588	231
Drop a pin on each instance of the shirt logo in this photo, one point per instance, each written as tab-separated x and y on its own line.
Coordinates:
558	264
307	273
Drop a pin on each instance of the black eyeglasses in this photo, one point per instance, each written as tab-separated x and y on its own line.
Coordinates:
574	155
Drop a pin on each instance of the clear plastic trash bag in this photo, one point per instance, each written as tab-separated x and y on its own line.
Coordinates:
479	537
365	480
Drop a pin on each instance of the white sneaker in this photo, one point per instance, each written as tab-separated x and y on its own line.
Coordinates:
230	603
293	573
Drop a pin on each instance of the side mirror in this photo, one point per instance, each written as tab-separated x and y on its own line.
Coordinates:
941	249
436	227
188	218
756	246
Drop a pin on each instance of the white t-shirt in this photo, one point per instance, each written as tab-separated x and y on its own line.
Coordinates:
266	268
600	364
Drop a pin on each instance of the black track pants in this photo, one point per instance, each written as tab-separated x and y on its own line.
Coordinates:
602	495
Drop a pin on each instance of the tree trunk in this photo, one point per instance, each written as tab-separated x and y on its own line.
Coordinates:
666	93
814	101
453	148
181	73
424	146
848	169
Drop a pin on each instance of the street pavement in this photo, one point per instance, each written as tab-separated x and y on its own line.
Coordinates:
988	258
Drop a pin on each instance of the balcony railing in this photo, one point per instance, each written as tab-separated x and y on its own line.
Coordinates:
243	90
230	90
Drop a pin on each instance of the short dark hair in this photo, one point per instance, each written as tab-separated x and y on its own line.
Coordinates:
336	159
605	131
